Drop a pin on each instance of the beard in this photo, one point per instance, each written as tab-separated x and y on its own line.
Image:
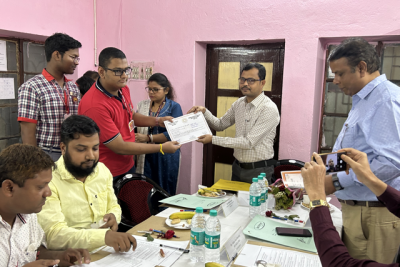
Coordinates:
78	171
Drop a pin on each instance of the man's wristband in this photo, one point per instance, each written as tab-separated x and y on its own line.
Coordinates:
151	138
336	182
162	152
157	121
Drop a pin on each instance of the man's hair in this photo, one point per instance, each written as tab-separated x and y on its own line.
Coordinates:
20	162
356	50
261	69
75	125
59	42
92	74
84	83
109	53
162	80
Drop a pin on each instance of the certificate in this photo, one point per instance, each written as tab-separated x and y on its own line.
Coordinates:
187	128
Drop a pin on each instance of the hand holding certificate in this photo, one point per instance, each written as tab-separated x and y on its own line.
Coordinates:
187	128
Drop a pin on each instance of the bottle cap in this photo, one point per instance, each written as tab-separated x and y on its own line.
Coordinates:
199	210
255	180
260	178
213	213
263	174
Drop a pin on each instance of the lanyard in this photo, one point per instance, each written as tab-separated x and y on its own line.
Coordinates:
157	113
128	109
65	99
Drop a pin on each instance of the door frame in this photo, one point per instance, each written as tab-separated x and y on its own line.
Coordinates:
208	157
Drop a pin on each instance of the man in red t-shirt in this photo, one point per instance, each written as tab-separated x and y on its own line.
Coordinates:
108	103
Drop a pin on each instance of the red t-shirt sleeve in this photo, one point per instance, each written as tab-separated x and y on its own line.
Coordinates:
103	119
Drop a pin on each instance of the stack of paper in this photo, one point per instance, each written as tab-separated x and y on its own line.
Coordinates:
192	202
285	258
231	185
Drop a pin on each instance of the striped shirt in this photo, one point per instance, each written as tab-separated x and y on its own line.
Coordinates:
256	124
41	100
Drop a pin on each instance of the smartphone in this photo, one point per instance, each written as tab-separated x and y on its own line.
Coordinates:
333	162
299	232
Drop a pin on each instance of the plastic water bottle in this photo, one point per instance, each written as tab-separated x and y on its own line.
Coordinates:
197	235
255	195
212	239
266	181
264	195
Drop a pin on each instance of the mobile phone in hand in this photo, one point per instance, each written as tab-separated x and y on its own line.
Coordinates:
333	162
299	232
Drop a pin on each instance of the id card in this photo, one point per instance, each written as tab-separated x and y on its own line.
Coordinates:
131	126
66	115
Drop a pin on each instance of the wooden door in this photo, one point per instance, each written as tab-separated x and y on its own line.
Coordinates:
224	63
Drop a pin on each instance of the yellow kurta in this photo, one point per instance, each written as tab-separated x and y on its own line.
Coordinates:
67	216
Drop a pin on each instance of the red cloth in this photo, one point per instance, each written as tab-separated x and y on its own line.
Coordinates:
113	119
331	249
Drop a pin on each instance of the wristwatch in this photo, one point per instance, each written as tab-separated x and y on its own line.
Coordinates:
336	182
318	203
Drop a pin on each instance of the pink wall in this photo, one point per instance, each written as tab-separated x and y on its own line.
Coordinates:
171	33
174	34
39	19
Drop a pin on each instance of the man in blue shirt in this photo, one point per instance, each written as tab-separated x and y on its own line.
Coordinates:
373	127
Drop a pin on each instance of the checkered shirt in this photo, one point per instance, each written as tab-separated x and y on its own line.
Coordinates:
255	128
40	102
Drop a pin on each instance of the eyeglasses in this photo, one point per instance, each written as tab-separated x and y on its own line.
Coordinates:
154	90
250	81
119	72
74	58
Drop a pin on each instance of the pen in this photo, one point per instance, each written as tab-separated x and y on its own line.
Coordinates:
233	258
158	231
278	218
180	249
193	210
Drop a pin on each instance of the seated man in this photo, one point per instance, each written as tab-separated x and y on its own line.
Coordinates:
331	249
82	194
25	172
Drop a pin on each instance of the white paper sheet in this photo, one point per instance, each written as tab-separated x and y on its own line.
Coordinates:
286	258
187	128
147	254
7	90
3	56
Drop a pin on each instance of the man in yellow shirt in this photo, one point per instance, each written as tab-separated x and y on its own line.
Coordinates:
83	197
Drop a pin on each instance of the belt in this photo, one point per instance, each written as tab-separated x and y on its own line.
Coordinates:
51	149
362	203
255	165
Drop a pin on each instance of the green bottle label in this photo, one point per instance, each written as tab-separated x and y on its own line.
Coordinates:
262	198
255	201
212	241
197	238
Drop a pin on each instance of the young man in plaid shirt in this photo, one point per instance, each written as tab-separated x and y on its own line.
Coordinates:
45	100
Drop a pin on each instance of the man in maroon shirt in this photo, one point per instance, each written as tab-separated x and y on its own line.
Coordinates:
331	249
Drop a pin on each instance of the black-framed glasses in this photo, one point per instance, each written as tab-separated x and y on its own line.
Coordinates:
119	72
74	58
154	90
250	81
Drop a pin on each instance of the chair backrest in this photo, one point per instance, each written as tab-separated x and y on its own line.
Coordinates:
138	197
287	165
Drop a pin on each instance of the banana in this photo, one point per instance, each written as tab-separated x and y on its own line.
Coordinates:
175	221
189	221
214	264
182	215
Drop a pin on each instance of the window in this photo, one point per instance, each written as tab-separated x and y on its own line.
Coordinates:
25	59
336	105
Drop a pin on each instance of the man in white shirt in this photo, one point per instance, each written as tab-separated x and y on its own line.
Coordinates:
25	172
256	118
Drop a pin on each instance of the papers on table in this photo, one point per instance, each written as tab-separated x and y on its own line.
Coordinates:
264	228
292	179
147	254
192	202
187	128
286	258
231	185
